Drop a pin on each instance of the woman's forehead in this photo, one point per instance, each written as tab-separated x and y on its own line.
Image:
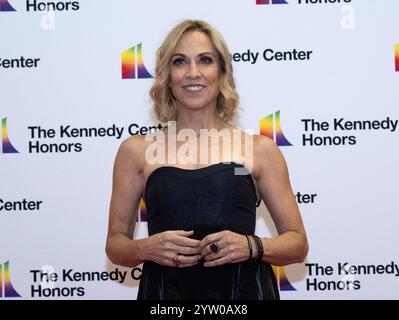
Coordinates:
194	42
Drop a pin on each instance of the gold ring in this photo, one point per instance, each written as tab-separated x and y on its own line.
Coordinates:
176	260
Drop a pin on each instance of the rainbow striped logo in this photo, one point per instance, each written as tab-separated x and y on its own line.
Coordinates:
282	280
133	68
142	216
271	2
270	127
5	6
6	143
397	57
8	291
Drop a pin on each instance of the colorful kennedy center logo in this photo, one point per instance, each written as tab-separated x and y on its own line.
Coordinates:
271	2
282	280
8	291
132	66
270	127
7	147
142	214
5	6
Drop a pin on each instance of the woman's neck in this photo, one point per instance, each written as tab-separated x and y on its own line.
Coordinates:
197	120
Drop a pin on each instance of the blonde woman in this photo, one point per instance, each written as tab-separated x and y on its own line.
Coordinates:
200	188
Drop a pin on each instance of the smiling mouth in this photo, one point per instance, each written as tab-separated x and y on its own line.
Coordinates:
194	88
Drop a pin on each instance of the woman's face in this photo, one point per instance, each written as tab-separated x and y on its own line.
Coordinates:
194	71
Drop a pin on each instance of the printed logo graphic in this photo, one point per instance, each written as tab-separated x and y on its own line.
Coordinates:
397	57
5	6
133	68
142	216
6	143
271	2
9	291
282	280
270	127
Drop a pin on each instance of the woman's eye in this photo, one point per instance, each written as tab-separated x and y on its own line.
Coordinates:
178	61
206	60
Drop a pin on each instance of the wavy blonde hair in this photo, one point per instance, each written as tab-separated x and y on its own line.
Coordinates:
165	106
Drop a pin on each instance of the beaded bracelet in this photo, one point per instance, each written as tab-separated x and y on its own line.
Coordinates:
259	246
249	246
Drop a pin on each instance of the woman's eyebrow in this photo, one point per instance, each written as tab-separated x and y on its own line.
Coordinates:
200	54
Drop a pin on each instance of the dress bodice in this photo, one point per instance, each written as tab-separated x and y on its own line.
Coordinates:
218	197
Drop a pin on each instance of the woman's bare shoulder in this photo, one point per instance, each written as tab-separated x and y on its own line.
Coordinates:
267	155
132	150
133	143
264	145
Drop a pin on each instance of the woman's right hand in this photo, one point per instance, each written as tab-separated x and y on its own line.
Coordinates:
172	249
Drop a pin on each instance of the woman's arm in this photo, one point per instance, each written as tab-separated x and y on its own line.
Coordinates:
290	246
127	188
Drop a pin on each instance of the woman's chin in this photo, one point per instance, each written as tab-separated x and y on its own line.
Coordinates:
196	106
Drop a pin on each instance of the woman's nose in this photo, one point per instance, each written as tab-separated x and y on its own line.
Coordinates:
193	70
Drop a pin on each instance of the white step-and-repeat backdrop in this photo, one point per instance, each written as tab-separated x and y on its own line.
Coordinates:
321	77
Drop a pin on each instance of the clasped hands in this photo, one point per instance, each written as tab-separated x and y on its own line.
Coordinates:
176	248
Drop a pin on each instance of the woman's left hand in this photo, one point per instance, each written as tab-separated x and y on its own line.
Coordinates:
224	247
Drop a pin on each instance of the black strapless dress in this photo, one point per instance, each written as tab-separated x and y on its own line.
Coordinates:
206	200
